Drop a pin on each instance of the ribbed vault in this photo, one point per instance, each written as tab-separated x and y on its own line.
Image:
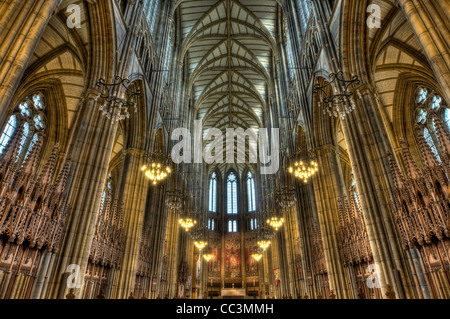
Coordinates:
229	47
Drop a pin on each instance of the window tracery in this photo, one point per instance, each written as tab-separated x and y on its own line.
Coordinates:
30	112
232	194
428	101
213	194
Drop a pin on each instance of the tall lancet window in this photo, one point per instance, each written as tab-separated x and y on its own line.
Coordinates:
107	191
251	193
213	193
232	226
427	101
32	111
8	131
232	202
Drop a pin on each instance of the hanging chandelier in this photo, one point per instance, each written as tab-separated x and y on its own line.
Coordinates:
208	257
187	223
286	197
115	107
340	101
275	222
264	244
188	219
265	234
304	171
199	236
174	200
156	170
200	244
257	255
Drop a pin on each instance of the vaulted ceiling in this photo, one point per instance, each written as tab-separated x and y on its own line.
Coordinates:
229	46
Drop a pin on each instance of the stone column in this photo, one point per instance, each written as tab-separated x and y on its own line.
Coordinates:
134	190
22	24
91	153
327	191
158	221
368	144
41	276
430	20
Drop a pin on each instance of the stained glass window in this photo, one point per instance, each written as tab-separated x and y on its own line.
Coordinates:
32	144
232	194
26	132
253	224
213	194
422	96
25	109
38	102
251	193
436	102
31	108
232	226
211	224
447	117
8	132
428	101
39	122
430	142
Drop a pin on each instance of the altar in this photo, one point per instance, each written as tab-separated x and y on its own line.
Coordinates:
233	293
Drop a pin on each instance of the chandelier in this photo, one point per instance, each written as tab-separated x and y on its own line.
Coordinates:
199	236
275	222
286	197
304	171
174	200
189	218
208	257
340	102
257	255
265	234
187	223
200	244
264	244
115	107
156	170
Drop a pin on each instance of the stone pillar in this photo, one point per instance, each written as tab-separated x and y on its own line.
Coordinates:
158	221
22	24
430	21
134	190
368	145
41	276
91	153
327	193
